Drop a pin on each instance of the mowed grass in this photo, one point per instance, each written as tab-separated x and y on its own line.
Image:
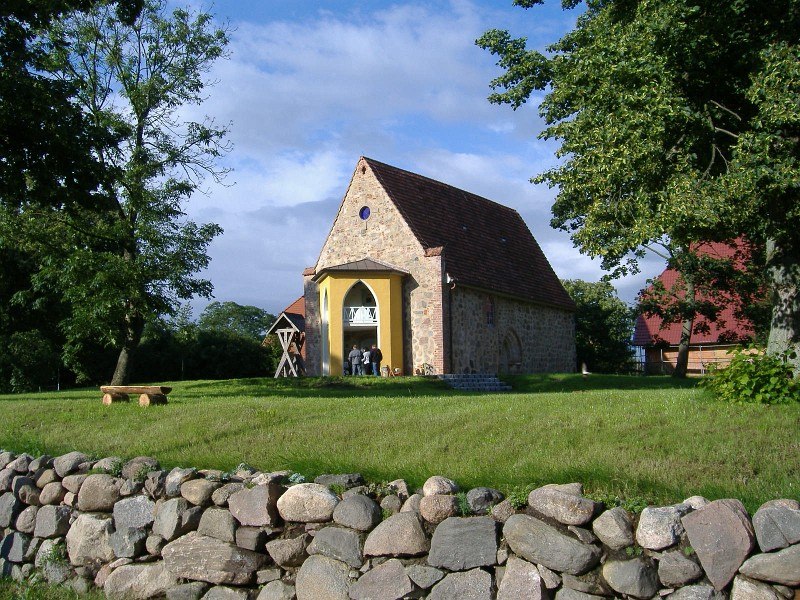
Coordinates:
634	438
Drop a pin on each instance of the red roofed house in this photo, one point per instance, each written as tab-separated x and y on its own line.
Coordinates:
710	341
444	281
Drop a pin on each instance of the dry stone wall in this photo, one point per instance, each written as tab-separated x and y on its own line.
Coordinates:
138	531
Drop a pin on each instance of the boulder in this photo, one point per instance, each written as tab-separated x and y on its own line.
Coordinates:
176	478
221	495
660	526
251	538
218	523
135	512
636	578
339	543
257	506
128	542
521	580
6	477
88	540
204	558
73	483
564	503
438	485
614	528
199	491
154	484
307	503
697	592
188	591
5	458
25	489
69	463
52	493
110	464
175	518
399	535
52	521
139	581
323	577
346	481
412	504
21	463
26	521
676	570
781	567
225	593
290	552
776	526
388	580
46	476
750	589
568	594
722	537
14	547
391	504
424	577
277	590
481	499
154	544
438	507
52	562
460	544
138	468
537	542
10	508
468	585
357	512
99	493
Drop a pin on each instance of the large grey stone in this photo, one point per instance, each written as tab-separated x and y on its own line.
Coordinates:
521	580
538	542
460	544
750	589
256	507
69	463
176	517
21	463
154	484
225	593
277	590
52	521
438	485
52	493
323	578
199	491
218	523
99	493
26	521
46	476
697	592
635	577
5	458
204	558
345	480
660	526
399	535
569	594
135	512
614	528
14	547
251	538
139	581
290	552
221	495
128	542
88	540
10	508
564	503
722	536
73	483
676	570
25	490
388	581
6	477
51	560
188	591
307	503
424	577
481	499
176	478
341	544
438	507
776	567
138	468
357	512
468	585
776	527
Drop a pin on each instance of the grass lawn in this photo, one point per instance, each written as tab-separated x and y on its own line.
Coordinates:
640	439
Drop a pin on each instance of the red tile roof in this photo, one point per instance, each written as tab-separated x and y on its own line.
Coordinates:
728	328
297	307
484	244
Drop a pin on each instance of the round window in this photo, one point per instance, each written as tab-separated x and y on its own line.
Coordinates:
364	213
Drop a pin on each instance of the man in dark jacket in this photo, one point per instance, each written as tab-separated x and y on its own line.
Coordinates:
355	360
375	357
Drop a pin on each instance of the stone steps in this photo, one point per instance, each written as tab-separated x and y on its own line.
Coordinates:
475	382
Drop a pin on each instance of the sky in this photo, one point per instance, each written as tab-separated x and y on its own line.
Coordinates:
309	87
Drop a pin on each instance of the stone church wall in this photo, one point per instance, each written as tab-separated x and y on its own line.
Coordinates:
544	337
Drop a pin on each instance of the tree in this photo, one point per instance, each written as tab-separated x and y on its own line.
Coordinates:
244	320
131	254
673	131
603	326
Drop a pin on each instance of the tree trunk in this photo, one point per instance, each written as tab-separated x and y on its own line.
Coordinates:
134	326
783	270
682	362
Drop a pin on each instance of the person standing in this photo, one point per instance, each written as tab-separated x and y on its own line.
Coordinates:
375	358
355	360
365	364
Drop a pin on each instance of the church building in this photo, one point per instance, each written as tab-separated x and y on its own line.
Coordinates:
442	280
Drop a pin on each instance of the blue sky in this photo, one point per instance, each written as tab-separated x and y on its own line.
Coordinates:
311	86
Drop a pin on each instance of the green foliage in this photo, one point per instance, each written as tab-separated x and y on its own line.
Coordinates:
230	317
337	488
463	506
633	551
114	469
753	376
38	590
518	496
57	555
603	327
379	489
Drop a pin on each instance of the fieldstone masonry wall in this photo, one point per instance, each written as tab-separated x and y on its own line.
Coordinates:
138	531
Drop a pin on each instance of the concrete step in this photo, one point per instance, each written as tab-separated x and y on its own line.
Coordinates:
475	382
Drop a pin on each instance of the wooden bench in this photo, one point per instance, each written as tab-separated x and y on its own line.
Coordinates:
148	394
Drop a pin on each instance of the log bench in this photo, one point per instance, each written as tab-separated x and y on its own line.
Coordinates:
148	394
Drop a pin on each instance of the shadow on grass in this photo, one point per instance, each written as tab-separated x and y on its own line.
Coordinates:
572	382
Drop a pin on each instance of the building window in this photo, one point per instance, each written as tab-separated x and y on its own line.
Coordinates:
488	308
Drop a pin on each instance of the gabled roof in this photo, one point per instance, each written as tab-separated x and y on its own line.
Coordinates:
727	329
365	264
484	244
292	317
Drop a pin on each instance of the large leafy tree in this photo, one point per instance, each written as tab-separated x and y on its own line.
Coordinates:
677	122
243	320
131	254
